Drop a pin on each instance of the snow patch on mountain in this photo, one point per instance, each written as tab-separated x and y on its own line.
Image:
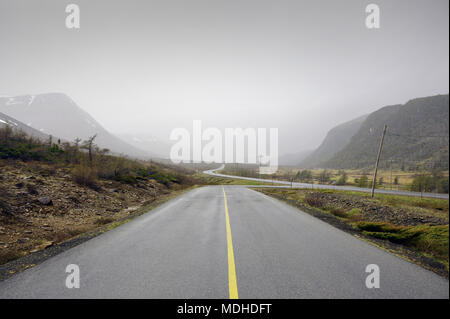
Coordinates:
31	99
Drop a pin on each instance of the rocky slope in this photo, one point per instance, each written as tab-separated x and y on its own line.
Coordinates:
41	205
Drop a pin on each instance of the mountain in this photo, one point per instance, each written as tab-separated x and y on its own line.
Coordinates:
293	159
17	125
58	115
336	139
417	134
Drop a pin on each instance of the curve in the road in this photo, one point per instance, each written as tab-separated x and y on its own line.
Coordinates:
212	172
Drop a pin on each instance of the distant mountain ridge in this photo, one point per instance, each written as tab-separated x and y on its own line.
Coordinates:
417	134
336	139
6	120
58	115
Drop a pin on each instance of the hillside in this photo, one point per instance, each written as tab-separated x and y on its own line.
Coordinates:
336	139
57	115
417	135
17	125
49	194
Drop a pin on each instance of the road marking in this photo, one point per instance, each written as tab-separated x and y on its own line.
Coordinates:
232	282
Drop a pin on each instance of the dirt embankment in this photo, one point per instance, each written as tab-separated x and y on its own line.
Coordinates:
41	205
374	211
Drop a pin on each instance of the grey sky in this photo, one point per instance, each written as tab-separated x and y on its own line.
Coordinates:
301	66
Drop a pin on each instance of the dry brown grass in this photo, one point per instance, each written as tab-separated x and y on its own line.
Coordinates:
85	175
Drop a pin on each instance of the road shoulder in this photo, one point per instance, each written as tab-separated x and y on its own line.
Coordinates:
32	259
399	250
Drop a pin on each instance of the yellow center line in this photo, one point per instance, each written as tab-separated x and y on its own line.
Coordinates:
232	282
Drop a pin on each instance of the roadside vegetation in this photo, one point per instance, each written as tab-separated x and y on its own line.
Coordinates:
53	190
413	178
88	164
420	225
217	180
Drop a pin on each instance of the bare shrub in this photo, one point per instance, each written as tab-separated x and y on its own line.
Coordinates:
103	220
85	175
68	233
314	200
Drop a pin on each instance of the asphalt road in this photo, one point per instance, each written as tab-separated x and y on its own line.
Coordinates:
212	172
217	242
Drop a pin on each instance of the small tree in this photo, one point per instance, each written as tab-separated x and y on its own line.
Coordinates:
443	186
76	149
363	181
304	175
89	145
324	176
430	183
118	166
76	142
5	134
342	180
396	180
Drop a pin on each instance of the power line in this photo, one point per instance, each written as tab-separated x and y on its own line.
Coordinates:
418	136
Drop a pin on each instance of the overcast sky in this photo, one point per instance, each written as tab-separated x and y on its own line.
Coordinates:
302	66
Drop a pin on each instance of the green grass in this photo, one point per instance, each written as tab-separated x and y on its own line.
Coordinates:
431	240
339	212
352	215
216	180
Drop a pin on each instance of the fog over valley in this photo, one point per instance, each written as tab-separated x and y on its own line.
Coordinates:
143	68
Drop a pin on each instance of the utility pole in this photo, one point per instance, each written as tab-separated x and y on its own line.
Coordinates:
378	160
